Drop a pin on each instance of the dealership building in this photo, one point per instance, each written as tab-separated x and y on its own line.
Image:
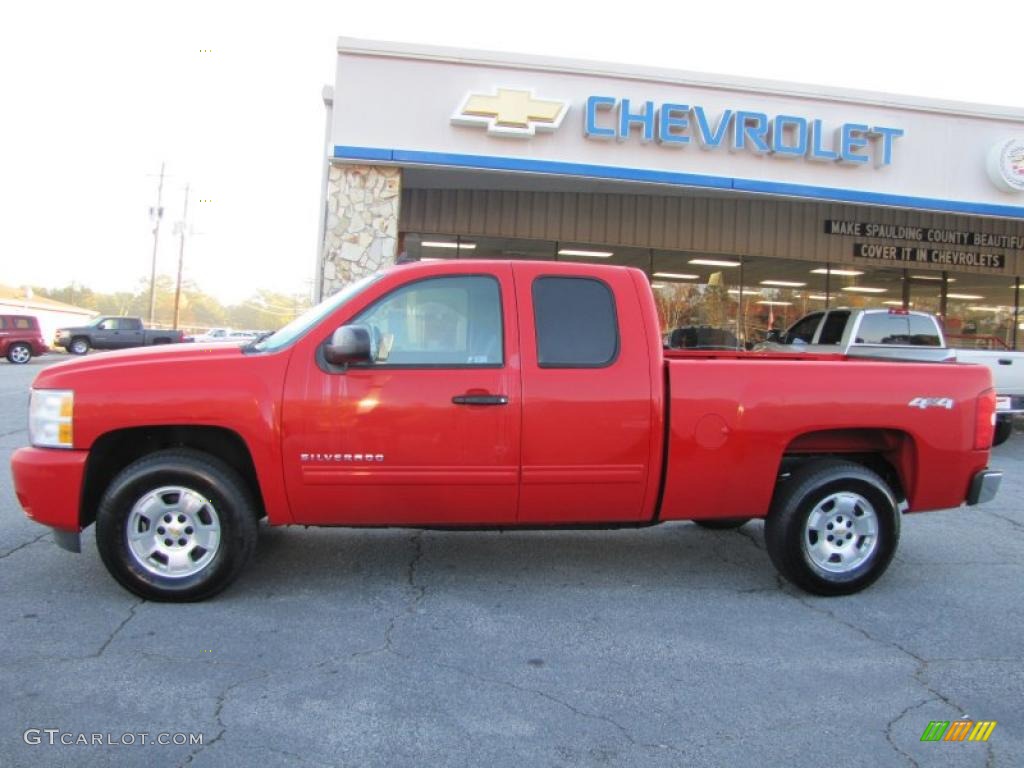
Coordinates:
747	202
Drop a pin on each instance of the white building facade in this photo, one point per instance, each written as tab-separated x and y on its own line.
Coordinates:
747	202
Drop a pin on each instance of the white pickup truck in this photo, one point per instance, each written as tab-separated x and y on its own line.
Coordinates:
900	334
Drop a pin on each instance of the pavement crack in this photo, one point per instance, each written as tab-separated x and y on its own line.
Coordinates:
921	668
749	535
1015	523
419	592
10	552
419	589
221	701
892	724
117	629
560	702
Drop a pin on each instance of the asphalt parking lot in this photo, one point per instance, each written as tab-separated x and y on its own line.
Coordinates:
666	646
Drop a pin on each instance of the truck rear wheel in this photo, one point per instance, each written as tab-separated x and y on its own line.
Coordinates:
78	346
833	527
177	525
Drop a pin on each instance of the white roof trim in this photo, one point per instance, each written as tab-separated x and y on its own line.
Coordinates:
522	61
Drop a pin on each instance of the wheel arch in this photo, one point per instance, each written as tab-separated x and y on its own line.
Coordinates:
115	450
890	453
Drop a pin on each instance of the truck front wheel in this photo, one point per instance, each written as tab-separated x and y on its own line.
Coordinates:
177	525
833	527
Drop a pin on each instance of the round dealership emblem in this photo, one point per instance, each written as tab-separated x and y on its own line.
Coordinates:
1006	165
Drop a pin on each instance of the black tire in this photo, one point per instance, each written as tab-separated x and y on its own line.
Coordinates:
835	485
201	476
78	346
19	354
723	523
1004	428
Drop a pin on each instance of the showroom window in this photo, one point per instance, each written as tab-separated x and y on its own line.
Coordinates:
715	300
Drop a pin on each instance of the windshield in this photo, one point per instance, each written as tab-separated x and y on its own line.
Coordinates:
300	325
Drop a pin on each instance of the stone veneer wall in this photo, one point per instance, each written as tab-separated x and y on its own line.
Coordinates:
361	235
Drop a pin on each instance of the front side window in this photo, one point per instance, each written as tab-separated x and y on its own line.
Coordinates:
804	330
576	323
442	321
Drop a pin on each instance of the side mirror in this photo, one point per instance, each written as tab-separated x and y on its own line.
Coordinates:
774	335
349	344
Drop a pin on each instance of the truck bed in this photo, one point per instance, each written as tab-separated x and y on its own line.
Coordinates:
734	416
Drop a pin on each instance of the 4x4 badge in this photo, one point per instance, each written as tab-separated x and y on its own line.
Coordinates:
932	402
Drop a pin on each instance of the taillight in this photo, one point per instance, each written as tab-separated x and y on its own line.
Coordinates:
985	420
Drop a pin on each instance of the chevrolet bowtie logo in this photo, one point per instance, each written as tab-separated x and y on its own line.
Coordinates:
511	112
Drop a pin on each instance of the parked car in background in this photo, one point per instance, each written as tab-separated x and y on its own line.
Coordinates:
113	333
20	338
701	337
877	333
902	334
225	335
212	335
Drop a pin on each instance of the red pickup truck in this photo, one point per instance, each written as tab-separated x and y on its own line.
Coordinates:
470	394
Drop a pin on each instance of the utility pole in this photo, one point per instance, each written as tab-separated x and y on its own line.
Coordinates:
156	214
181	258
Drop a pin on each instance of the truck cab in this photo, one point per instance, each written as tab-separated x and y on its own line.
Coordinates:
877	333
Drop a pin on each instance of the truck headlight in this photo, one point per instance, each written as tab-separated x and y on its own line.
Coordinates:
49	418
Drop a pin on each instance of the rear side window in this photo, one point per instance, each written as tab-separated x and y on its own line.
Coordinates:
883	328
835	324
22	323
575	321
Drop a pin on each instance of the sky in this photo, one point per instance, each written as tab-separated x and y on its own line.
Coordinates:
95	96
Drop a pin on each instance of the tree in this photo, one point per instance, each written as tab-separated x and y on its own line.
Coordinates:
266	310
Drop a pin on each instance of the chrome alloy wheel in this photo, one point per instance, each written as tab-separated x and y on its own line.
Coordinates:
19	354
841	532
173	531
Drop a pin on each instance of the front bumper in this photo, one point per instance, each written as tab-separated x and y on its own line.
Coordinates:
984	486
48	484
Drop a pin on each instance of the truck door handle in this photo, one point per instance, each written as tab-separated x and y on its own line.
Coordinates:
480	399
1005	361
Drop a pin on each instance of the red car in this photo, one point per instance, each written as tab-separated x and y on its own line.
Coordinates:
20	338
